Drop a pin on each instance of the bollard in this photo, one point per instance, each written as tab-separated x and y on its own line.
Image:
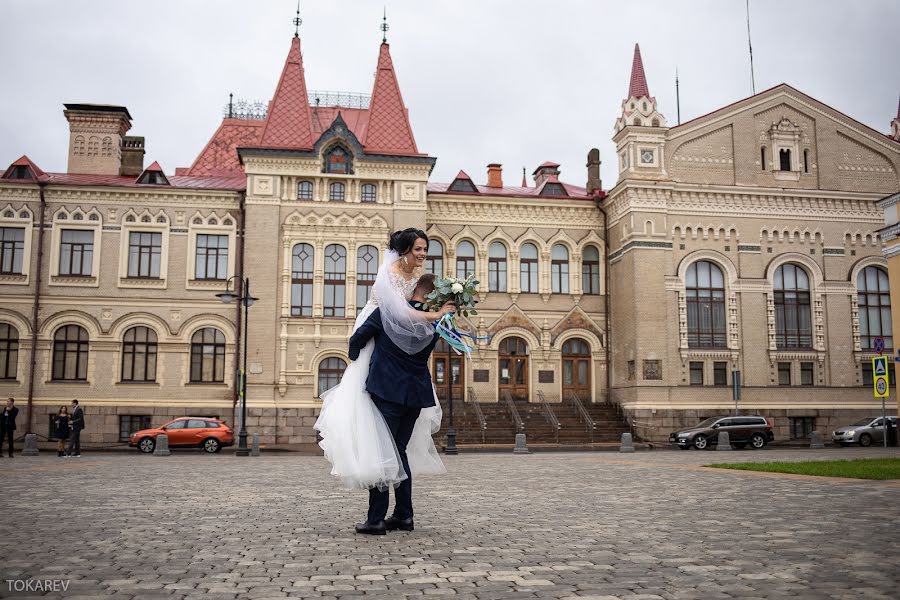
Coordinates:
815	441
31	448
724	441
254	448
627	444
521	448
162	445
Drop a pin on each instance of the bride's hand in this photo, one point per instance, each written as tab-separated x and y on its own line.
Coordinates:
447	308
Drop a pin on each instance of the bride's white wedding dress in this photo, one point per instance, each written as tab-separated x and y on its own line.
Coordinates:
355	437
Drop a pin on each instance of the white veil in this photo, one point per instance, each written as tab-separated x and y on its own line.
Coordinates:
403	324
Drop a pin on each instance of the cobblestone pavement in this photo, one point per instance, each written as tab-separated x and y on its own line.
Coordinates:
590	525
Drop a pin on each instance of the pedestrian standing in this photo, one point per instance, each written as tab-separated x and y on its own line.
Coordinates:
77	422
61	423
8	424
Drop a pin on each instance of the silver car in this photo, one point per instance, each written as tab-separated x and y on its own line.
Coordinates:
863	432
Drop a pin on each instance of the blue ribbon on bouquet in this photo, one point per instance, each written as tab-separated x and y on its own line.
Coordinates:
446	329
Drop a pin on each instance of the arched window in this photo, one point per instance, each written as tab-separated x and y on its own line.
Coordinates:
70	353
793	323
590	270
369	192
465	259
302	280
337	160
208	356
305	190
434	261
874	295
497	267
335	280
366	270
784	159
705	290
336	192
9	351
139	354
330	372
528	269
79	145
559	269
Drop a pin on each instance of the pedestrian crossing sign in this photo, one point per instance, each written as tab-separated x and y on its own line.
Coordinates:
880	382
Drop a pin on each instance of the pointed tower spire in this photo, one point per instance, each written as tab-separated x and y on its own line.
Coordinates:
288	124
638	87
384	27
524	180
895	125
297	21
389	131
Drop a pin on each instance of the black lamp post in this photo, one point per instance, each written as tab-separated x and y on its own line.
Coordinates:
451	432
247	300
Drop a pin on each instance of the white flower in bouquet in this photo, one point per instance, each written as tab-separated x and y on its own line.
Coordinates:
457	288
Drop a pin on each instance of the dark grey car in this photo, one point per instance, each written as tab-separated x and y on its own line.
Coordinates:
742	430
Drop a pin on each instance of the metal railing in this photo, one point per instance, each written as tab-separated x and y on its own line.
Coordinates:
482	422
342	99
584	414
511	405
549	415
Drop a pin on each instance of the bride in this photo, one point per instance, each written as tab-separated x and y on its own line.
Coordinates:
355	436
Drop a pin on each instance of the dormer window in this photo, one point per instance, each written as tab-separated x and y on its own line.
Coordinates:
337	160
463	184
153	175
19	172
553	189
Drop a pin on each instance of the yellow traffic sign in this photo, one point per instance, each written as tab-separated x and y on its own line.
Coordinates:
880	383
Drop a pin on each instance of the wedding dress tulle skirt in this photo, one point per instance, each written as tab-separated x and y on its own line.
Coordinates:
356	438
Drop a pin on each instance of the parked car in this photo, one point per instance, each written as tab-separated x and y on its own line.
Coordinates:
862	432
742	430
186	432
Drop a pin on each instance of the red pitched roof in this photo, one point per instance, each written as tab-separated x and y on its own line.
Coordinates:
219	157
288	124
234	183
154	167
462	175
574	192
389	131
638	85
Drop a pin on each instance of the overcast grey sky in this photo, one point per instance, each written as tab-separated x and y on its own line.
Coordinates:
510	81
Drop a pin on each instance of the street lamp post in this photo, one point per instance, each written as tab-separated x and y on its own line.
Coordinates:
247	301
451	432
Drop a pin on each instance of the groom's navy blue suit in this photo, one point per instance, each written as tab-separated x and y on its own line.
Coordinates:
400	386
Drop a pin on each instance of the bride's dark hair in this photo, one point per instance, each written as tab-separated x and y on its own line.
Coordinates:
403	241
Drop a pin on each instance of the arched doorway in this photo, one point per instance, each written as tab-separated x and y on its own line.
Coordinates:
576	369
447	370
513	368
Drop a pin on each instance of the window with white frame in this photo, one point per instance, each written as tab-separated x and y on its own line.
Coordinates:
144	254
559	273
528	269
211	257
590	270
12	250
497	267
434	261
76	252
874	301
366	270
335	280
465	259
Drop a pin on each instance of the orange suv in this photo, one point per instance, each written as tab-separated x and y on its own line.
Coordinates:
186	432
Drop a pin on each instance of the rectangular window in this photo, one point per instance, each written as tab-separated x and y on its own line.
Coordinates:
784	373
590	277
559	275
528	276
631	370
802	427
12	250
497	274
696	373
720	373
129	424
212	257
76	252
144	254
806	373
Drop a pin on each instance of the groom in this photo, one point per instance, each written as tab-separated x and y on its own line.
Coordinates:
400	386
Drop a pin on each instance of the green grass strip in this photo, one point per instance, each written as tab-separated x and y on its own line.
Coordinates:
865	468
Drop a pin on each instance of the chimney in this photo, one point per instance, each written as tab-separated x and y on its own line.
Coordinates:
543	172
593	171
495	175
95	137
132	155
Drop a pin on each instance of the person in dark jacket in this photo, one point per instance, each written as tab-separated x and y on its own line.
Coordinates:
77	422
8	425
400	386
61	426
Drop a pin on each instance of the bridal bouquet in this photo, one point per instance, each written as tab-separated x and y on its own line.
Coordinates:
461	292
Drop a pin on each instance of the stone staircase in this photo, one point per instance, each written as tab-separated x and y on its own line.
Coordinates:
500	427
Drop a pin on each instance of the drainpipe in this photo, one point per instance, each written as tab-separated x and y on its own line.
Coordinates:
240	274
36	307
608	303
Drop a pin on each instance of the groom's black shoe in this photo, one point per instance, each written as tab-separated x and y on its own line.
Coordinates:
371	528
392	523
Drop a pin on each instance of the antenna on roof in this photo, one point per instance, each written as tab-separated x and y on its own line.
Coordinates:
230	105
297	21
677	96
384	27
750	46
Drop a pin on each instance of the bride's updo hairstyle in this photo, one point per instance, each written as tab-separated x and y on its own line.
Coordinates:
403	241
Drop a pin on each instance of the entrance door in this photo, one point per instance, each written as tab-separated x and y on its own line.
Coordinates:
513	364
576	369
447	369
